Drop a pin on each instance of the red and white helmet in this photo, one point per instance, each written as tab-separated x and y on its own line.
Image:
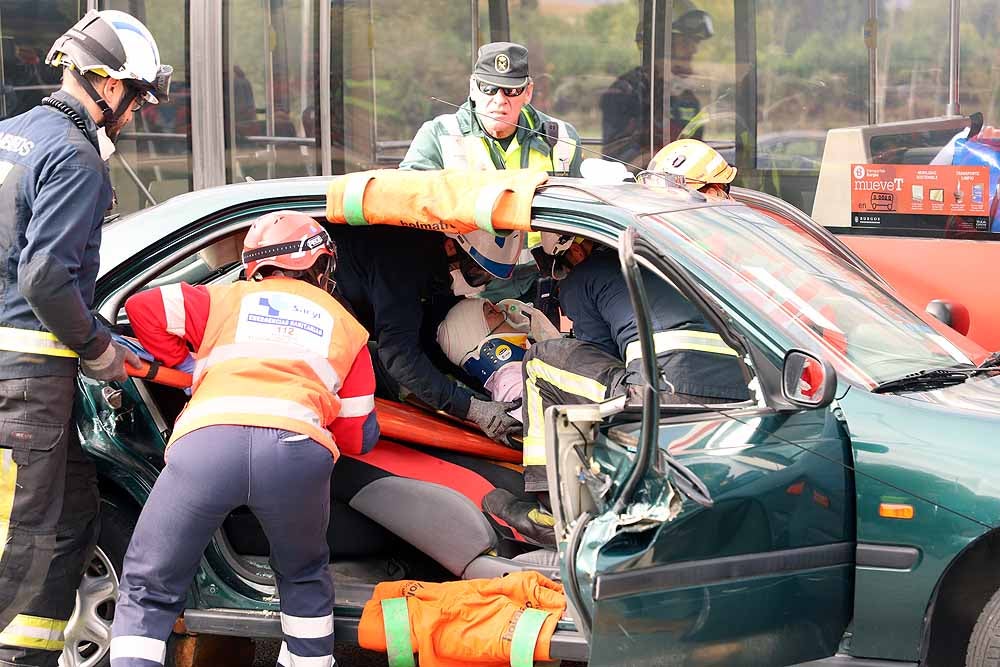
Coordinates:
287	240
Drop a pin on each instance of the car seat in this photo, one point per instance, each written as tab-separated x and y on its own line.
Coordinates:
433	501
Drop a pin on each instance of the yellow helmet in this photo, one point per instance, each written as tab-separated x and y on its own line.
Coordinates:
696	161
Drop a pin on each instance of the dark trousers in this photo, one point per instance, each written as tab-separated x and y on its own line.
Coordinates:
48	517
284	478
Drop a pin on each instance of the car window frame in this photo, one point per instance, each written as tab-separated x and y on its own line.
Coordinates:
216	231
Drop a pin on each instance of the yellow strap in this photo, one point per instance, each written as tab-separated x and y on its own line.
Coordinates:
34	632
33	342
667	341
568	381
8	486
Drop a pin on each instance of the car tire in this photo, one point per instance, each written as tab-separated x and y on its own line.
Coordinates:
88	634
984	644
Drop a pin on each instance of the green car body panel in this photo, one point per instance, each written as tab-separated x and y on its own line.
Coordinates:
782	481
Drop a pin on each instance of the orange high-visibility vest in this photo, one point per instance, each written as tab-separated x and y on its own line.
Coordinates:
274	354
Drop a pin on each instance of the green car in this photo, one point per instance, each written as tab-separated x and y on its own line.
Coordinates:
847	513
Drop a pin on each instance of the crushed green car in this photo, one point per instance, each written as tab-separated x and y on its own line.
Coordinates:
847	513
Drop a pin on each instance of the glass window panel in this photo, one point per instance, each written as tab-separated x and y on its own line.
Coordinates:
27	30
913	59
270	88
812	68
577	49
154	153
702	92
980	61
396	55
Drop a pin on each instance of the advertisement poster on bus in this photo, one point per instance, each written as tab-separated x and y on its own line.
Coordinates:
909	196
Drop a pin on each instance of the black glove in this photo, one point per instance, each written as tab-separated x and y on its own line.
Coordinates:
492	418
111	364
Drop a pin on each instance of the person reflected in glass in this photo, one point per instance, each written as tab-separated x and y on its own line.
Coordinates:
625	105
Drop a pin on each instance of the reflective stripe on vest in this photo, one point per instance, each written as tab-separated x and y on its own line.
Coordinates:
250	351
248	405
460	151
35	632
33	342
669	341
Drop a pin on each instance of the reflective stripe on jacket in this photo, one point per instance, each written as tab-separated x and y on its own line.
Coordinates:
275	353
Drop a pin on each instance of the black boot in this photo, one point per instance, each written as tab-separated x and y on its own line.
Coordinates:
529	519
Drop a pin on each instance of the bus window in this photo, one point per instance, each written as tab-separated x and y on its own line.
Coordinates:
397	54
270	88
577	51
153	157
27	30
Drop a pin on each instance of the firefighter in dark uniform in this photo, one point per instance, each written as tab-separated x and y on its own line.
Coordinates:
604	358
55	191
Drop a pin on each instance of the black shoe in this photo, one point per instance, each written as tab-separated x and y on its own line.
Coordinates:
529	519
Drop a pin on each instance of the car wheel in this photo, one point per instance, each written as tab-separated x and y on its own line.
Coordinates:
88	633
984	644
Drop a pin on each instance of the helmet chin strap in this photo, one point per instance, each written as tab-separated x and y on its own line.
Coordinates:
110	117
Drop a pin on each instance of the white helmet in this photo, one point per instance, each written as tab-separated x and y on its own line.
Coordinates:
556	243
117	45
496	254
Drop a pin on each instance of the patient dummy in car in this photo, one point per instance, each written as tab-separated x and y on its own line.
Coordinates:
488	341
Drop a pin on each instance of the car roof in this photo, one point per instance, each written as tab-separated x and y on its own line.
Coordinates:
129	236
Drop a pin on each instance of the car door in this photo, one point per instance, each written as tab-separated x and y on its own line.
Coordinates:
726	540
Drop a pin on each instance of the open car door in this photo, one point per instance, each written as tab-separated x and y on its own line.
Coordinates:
707	535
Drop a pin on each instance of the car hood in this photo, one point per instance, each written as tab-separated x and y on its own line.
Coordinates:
938	446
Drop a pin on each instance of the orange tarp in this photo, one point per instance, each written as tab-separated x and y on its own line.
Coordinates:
461	623
446	201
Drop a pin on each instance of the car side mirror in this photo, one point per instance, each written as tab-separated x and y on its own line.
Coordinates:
807	380
940	310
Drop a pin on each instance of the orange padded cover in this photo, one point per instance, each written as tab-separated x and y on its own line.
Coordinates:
443	201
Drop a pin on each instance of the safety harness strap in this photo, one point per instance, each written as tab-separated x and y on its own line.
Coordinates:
354	198
396	620
522	646
670	341
33	342
485	203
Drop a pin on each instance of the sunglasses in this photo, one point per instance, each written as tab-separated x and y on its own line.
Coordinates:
490	90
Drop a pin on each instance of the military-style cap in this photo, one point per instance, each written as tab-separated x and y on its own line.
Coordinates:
502	64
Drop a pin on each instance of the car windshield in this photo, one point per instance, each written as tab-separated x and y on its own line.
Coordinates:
815	297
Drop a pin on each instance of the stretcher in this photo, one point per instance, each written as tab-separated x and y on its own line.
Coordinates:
397	421
408	423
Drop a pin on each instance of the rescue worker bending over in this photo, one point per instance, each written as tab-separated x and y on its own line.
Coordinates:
497	128
56	190
400	283
604	357
283	382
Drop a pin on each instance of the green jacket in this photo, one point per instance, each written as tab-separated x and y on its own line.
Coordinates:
426	152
